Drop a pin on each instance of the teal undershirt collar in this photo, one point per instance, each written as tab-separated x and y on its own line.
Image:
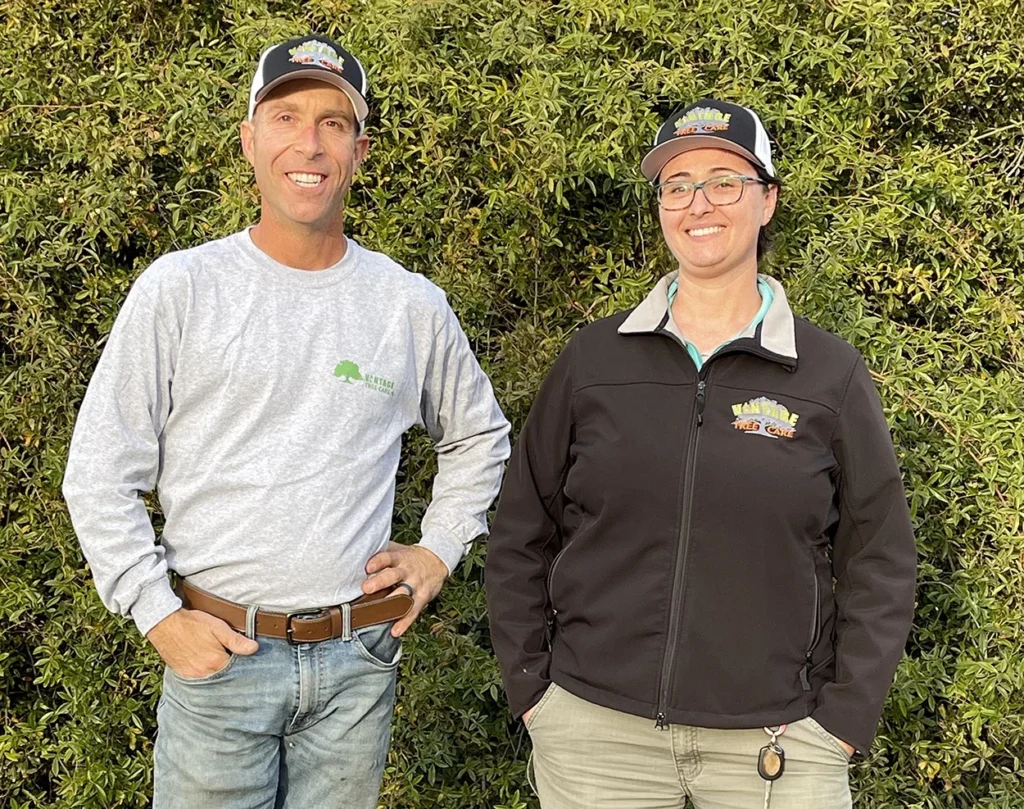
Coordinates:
767	296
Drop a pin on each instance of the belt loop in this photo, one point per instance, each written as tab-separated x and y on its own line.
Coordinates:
346	622
250	621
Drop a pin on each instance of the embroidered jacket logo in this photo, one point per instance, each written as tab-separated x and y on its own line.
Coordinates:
764	416
349	372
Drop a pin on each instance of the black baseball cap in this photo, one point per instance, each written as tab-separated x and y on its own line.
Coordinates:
310	57
711	124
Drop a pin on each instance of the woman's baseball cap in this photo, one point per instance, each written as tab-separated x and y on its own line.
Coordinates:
711	124
310	57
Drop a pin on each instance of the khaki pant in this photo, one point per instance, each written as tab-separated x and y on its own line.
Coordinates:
587	757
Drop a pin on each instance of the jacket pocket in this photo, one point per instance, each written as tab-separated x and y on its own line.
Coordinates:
551	572
585	522
815	630
821	665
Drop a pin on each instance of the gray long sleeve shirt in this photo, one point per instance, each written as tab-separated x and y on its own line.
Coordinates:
267	405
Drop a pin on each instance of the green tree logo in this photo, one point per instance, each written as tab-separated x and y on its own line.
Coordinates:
348	371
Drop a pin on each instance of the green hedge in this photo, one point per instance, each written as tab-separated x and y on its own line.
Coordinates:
504	165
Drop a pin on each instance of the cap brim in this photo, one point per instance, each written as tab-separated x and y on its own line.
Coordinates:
654	161
358	104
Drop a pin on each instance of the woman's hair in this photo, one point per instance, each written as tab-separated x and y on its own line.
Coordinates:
764	241
765	236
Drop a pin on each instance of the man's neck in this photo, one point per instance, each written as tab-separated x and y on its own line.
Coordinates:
301	248
708	311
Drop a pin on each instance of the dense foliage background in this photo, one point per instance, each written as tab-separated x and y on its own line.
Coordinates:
506	141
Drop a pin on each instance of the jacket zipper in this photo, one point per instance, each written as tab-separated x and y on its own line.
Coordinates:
684	542
551	600
550	579
554	564
805	681
661	721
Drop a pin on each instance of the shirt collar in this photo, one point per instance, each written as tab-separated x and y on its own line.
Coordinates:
776	333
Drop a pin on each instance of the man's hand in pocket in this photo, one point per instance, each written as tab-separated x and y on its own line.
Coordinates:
195	644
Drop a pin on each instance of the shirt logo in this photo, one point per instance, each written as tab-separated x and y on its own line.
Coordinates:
349	373
764	416
316	53
703	120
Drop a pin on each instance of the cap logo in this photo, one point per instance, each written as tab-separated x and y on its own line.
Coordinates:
316	53
702	120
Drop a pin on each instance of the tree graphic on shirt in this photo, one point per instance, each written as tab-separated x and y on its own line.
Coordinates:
347	370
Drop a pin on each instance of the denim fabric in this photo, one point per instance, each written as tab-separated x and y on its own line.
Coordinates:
290	727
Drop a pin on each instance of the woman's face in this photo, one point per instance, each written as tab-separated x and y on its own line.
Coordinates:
710	241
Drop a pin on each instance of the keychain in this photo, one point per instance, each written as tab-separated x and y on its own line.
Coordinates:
771	761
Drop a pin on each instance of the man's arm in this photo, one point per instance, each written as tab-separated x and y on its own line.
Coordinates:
525	538
114	459
874	563
471	437
470	433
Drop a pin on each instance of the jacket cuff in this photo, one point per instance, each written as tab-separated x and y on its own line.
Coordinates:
839	725
154	603
524	694
446	548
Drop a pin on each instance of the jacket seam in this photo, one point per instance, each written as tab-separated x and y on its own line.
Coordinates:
861	544
564	473
827	406
627	384
563	476
842	399
572	387
844	504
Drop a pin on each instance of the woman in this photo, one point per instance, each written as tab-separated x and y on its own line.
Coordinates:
701	574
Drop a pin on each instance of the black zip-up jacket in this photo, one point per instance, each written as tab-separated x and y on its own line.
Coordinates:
728	548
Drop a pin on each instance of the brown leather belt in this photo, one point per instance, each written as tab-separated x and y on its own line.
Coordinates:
304	626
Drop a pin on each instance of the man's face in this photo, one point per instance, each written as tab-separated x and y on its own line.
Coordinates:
304	146
709	240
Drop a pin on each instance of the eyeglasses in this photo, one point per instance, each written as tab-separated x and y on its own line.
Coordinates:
724	190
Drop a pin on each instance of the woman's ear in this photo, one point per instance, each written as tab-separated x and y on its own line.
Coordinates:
771	199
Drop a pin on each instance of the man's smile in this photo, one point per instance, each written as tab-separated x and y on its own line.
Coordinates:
305	179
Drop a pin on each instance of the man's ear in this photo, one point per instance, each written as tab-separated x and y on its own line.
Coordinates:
247	132
362	146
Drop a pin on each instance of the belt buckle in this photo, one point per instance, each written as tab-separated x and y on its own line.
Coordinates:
289	629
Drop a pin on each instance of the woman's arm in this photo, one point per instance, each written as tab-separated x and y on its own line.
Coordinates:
525	538
874	564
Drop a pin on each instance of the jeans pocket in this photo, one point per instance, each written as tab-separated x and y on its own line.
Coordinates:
545	698
376	645
828	738
208	678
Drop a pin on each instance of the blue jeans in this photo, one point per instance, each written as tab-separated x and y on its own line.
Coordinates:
290	727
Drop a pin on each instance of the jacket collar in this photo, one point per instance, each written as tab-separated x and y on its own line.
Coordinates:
776	334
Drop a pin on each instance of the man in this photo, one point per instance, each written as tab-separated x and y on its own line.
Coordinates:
262	383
